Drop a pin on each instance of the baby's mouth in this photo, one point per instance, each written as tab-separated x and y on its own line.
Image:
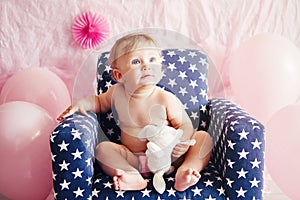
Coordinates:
147	75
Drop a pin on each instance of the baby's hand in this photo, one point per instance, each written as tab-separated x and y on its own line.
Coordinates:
77	107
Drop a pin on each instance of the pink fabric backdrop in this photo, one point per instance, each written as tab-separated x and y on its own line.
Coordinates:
38	33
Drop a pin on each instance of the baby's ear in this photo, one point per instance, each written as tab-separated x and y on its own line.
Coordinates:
117	75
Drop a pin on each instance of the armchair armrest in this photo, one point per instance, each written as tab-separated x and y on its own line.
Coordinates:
72	146
238	151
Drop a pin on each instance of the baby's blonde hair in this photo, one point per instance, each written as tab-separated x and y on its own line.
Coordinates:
127	44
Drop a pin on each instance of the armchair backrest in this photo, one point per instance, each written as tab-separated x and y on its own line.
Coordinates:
185	76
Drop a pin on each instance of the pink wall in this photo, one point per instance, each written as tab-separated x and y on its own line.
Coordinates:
38	33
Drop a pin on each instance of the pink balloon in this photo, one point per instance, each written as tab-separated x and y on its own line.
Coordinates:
39	86
264	75
282	149
25	168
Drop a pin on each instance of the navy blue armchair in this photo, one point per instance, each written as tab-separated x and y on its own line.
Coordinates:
235	169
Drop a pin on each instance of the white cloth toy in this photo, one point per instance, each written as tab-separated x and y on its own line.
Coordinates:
162	140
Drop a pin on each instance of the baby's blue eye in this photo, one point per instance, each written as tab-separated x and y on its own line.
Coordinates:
135	61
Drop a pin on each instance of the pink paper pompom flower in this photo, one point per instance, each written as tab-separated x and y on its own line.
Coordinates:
90	30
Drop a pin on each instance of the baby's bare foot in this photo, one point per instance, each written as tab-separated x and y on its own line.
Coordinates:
185	178
128	181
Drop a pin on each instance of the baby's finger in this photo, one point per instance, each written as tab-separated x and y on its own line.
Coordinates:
82	111
69	111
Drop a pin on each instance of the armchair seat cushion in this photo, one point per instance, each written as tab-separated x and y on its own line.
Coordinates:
208	187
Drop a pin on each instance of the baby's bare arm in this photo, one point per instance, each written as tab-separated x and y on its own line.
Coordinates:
179	119
100	103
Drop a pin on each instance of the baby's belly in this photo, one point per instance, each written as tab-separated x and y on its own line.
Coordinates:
132	142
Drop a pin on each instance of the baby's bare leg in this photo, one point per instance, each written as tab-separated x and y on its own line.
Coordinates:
120	163
195	161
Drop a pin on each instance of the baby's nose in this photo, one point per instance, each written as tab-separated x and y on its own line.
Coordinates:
146	66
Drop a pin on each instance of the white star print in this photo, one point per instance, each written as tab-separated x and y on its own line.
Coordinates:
108	84
192	54
234	123
243	154
242	173
52	138
107	68
172	82
203	108
63	146
110	131
194	100
97	180
203	124
66	125
107	184
77	154
88	161
221	191
170	178
208	183
182	91
53	157
64	166
95	192
197	191
54	176
229	182
256	144
252	121
146	192
182	75
78	192
172	66
203	93
77	173
120	193
171	191
194	115
254	182
109	116
203	61
76	134
230	163
255	163
181	59
171	53
88	142
231	144
193	67
89	180
243	134
193	83
202	77
241	192
65	185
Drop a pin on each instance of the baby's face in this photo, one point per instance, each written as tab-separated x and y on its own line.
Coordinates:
141	67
